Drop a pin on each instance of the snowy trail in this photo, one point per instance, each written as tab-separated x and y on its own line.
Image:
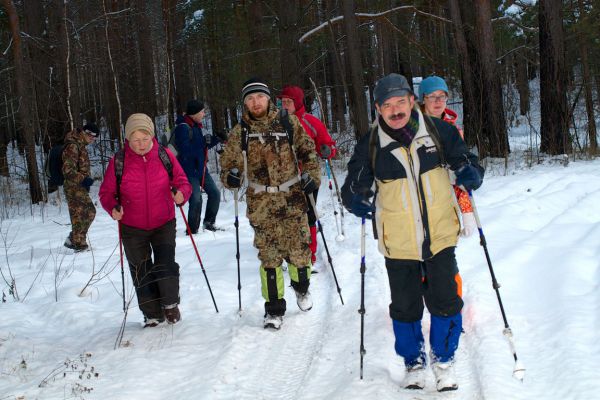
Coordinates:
542	227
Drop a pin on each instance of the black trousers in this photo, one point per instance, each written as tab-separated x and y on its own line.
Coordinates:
435	280
156	282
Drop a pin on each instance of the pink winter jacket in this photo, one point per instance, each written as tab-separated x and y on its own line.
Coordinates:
145	188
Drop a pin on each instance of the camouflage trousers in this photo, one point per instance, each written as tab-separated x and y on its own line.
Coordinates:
278	240
283	239
81	211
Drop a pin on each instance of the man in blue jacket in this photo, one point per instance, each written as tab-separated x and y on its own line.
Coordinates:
412	161
192	154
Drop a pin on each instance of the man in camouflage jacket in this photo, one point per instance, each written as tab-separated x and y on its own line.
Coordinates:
276	203
76	170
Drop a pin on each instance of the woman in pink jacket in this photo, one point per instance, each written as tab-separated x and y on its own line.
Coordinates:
143	203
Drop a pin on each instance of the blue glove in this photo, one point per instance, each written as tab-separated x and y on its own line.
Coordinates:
361	205
468	177
87	182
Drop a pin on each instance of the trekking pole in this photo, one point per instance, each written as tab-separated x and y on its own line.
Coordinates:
361	310
122	268
339	196
519	368
340	236
314	206
237	245
189	231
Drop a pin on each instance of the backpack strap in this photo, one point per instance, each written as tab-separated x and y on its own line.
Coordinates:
166	161
119	164
435	136
373	143
284	118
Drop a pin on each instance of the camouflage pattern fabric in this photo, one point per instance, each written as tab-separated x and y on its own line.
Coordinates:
76	166
279	219
81	211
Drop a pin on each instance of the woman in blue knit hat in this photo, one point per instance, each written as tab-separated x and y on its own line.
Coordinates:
433	93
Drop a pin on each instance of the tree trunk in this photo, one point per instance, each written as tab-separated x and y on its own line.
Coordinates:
146	89
494	124
522	83
288	43
587	84
358	104
35	189
553	84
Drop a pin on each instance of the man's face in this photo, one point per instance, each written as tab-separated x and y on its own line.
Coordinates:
198	117
435	103
90	137
395	111
257	103
288	104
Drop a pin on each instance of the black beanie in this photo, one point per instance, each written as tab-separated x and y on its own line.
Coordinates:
91	129
254	85
194	107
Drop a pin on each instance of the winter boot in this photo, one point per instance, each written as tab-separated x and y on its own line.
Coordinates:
273	321
172	314
415	377
69	240
445	379
76	247
304	301
210	226
152	322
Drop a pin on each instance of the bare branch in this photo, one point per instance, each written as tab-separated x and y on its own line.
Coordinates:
370	16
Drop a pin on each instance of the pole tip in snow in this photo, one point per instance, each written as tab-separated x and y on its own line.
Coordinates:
519	371
339	238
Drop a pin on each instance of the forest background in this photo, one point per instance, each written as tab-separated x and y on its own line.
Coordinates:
67	62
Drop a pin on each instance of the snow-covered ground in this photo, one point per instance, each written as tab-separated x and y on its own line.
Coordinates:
543	231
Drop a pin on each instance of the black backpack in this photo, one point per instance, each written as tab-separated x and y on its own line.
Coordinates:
120	164
53	168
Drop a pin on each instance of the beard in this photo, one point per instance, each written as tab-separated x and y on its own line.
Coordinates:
258	113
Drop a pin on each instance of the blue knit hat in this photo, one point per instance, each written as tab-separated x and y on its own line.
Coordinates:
430	85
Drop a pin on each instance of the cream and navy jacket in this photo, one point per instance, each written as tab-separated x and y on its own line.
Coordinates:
416	210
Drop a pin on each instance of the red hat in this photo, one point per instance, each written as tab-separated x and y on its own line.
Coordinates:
295	93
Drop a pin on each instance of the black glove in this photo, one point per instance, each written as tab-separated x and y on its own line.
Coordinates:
219	148
361	205
208	139
325	151
87	182
308	184
233	179
222	135
468	177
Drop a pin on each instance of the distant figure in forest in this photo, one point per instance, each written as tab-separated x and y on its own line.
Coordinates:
192	153
78	180
141	186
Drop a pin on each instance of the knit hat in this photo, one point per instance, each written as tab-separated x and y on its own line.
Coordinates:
194	107
254	85
391	85
430	85
91	129
295	93
138	122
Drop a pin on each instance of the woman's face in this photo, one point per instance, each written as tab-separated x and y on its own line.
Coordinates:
435	103
140	142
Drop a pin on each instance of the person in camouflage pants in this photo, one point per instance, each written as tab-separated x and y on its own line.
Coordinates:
76	170
276	202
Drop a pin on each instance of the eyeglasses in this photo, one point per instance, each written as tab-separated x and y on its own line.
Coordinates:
437	99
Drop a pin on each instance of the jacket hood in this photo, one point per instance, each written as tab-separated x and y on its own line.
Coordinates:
296	94
76	136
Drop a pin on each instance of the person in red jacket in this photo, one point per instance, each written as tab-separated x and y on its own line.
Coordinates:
433	92
143	204
292	99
